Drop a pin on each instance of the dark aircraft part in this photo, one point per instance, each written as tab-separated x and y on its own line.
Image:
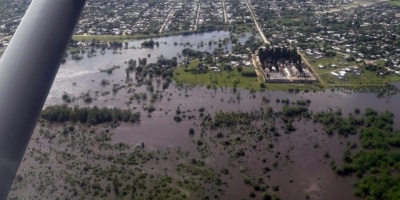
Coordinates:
27	70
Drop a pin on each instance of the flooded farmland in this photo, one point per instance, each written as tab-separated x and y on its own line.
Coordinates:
180	150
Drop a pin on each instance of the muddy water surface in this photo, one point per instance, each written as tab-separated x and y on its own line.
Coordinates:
303	170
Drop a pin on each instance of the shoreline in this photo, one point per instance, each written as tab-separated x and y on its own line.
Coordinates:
140	36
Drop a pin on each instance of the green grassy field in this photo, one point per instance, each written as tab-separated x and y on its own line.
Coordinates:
214	79
394	2
338	60
367	78
243	28
231	78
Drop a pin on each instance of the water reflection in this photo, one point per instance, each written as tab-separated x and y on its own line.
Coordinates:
85	73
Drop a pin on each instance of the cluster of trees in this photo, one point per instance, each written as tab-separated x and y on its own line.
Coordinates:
252	43
294	111
142	61
154	69
173	62
230	119
334	122
330	54
194	53
100	44
110	70
271	56
377	163
116	45
150	43
144	74
373	68
249	74
93	116
200	69
131	66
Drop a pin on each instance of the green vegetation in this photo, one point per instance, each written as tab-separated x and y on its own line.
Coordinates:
110	70
294	111
248	72
394	3
326	62
192	74
150	43
224	78
370	76
197	172
377	163
146	73
235	78
127	171
306	87
367	78
234	135
92	116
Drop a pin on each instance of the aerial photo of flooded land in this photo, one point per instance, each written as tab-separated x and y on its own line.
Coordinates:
219	99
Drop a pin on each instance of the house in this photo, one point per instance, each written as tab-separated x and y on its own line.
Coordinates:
334	73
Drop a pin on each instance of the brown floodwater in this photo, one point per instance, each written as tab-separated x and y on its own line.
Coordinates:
307	172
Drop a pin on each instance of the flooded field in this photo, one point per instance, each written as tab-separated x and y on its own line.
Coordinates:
87	73
190	157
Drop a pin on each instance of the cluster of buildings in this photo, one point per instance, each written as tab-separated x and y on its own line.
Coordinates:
286	72
196	15
237	12
234	61
114	17
369	35
341	74
123	17
352	32
11	13
283	70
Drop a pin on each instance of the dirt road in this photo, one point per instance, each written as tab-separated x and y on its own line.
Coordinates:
224	9
197	15
170	14
256	23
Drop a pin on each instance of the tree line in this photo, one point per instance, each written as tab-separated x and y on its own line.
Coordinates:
150	43
93	116
375	160
194	53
